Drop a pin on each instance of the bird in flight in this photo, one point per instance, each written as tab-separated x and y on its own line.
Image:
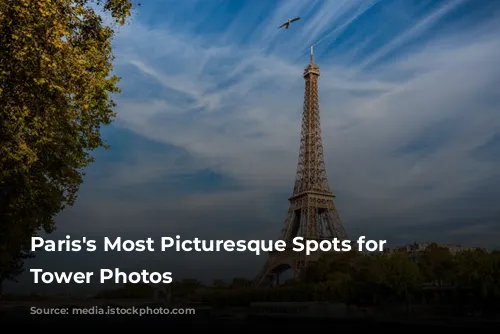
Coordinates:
287	23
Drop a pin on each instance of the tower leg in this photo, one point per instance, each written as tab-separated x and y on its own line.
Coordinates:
277	264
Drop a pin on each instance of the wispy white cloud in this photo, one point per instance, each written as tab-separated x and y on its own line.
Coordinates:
415	30
331	35
328	13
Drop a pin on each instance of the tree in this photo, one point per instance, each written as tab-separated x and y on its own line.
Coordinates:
330	276
402	276
367	277
239	283
55	94
185	287
480	272
329	265
436	264
219	284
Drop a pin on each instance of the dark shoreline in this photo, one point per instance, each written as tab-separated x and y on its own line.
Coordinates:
250	323
208	317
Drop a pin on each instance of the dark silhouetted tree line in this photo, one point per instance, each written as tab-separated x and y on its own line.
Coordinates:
468	278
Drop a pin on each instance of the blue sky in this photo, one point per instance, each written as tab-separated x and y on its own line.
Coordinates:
207	135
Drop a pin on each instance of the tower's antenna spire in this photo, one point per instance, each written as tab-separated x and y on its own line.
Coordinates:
311	57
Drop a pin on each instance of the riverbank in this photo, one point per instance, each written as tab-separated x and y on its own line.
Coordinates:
237	321
285	315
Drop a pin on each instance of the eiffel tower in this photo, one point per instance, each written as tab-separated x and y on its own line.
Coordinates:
312	213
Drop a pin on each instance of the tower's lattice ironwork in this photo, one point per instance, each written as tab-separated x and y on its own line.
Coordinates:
312	213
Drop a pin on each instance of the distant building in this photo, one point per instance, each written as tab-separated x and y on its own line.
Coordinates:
416	249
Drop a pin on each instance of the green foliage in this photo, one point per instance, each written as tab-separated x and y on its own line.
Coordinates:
330	267
129	291
479	271
239	283
55	94
436	264
219	284
354	278
364	280
185	288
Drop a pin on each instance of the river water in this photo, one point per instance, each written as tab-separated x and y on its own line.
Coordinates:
203	323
